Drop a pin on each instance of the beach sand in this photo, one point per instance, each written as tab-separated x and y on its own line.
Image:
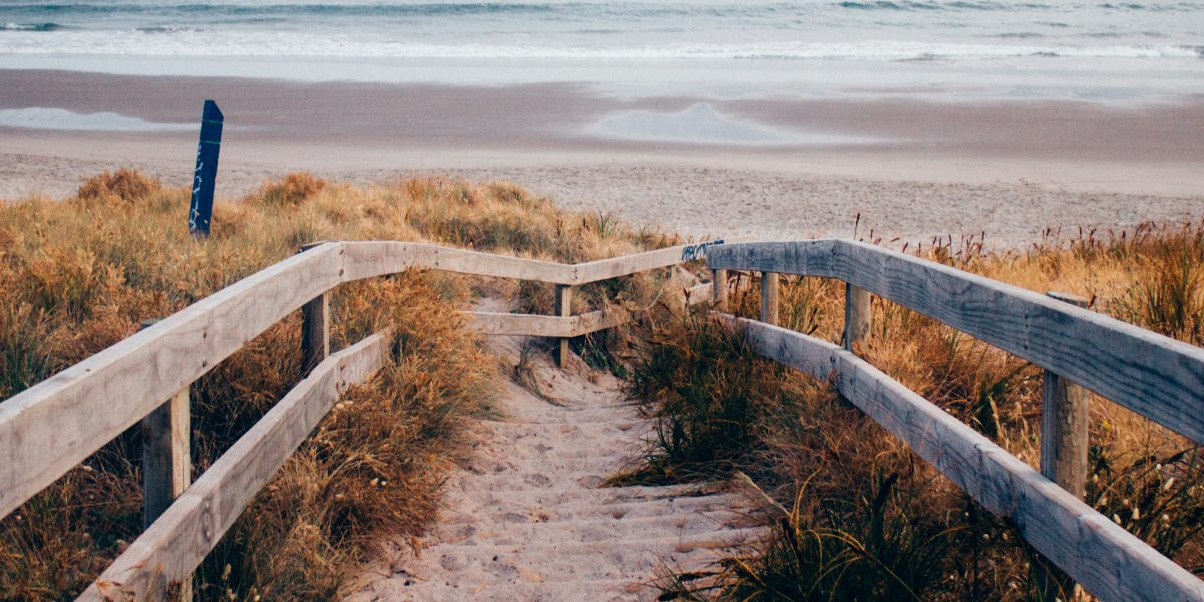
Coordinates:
911	169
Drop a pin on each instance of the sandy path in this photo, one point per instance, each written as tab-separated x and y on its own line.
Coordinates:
529	520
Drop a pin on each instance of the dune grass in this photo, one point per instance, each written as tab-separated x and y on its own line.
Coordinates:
853	513
80	274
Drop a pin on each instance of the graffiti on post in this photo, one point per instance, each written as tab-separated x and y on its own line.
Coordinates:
205	176
698	251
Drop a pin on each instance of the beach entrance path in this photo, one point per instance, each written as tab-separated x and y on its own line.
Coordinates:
529	518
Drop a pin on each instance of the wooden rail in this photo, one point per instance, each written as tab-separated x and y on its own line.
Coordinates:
54	425
566	327
1154	375
179	540
51	427
1109	561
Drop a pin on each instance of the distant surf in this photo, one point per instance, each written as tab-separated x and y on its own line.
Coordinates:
30	27
650	29
1072	48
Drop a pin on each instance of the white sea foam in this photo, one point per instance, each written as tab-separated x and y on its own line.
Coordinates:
49	118
200	43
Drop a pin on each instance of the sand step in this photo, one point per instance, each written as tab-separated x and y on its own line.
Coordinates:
553	497
621	421
525	589
577	561
598	412
607	527
570	429
558	545
556	474
519	513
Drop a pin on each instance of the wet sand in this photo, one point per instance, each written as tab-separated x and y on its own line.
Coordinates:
1009	169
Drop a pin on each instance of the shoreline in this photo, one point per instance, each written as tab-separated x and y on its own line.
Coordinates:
1011	169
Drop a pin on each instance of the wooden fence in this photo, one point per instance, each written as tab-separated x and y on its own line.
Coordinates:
1158	377
51	427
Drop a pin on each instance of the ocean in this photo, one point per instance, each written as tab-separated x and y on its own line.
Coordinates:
948	49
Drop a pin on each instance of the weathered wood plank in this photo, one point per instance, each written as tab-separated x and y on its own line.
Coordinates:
491	323
378	258
176	543
1156	376
54	425
600	320
1107	560
486	264
603	269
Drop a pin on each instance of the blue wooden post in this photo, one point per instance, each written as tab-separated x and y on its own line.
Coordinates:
205	176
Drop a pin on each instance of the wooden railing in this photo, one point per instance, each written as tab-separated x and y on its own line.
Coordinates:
51	427
1153	375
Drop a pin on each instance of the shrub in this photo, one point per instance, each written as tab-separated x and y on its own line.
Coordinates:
121	187
288	192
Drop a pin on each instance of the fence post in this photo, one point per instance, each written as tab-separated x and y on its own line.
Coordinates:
564	309
315	327
166	462
166	457
315	331
769	297
719	289
856	315
1064	428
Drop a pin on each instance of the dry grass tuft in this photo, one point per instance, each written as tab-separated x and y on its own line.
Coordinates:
706	402
123	186
288	192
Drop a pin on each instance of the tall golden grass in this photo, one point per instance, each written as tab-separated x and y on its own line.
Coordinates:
79	275
854	514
